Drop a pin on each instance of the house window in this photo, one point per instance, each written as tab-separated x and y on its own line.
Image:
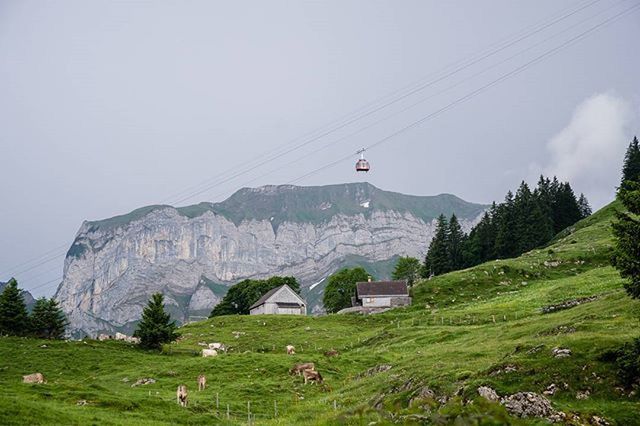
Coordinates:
370	299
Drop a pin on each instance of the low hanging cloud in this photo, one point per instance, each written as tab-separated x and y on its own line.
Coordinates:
589	151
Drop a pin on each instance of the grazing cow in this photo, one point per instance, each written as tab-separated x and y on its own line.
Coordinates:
181	395
209	352
202	382
297	369
120	336
311	376
37	378
291	350
331	352
103	337
217	346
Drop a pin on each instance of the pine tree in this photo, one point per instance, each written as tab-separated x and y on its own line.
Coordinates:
436	261
13	312
455	244
47	319
583	205
156	326
506	228
566	208
627	232
631	166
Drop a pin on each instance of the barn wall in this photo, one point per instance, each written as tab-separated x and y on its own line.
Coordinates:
258	310
289	311
376	302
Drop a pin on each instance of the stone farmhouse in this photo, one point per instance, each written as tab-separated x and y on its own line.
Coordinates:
382	294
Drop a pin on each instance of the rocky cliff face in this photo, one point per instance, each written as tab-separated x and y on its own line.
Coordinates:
190	254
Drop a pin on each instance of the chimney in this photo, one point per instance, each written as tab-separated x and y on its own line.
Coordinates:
369	278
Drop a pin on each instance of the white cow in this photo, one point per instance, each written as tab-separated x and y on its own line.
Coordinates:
209	352
33	378
291	350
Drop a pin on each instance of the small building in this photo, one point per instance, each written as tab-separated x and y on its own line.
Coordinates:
382	294
279	301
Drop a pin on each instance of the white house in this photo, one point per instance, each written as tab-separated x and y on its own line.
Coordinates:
280	301
382	294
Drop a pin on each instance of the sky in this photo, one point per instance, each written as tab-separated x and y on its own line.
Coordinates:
108	106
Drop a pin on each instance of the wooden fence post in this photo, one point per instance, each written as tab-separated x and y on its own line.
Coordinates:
217	404
227	411
275	408
493	317
335	406
249	412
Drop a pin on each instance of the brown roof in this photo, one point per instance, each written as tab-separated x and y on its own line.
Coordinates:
382	288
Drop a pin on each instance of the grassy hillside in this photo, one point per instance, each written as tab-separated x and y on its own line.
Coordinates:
481	326
313	204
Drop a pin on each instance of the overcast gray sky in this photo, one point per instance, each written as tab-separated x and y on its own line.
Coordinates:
109	106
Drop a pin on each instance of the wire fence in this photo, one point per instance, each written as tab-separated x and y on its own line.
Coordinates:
245	412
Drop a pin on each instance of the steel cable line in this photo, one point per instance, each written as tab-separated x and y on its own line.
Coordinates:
412	91
474	93
468	63
39	264
342	138
11	270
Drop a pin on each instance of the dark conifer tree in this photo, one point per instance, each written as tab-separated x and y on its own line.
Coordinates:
583	205
156	326
505	221
47	319
437	259
455	244
14	320
631	166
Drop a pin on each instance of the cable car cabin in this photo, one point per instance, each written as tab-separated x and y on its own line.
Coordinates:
362	165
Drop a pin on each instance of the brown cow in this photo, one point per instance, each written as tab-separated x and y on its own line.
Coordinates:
202	382
297	369
182	395
331	353
37	378
311	376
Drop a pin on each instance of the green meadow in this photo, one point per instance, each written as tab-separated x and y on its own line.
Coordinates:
483	326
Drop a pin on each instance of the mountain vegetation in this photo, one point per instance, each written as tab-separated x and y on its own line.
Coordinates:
156	327
242	295
407	268
494	325
626	258
342	287
46	321
522	222
14	319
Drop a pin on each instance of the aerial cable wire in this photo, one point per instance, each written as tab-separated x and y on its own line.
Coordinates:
397	99
412	89
474	93
350	135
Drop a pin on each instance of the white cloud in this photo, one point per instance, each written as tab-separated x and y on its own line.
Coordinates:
589	151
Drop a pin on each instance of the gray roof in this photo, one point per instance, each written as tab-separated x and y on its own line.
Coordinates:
382	288
270	293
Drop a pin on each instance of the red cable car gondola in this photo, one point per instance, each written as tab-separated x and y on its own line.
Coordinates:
362	165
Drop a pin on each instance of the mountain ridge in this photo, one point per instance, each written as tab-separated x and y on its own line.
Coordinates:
189	253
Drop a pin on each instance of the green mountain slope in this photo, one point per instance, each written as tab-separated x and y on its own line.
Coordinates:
482	326
313	204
